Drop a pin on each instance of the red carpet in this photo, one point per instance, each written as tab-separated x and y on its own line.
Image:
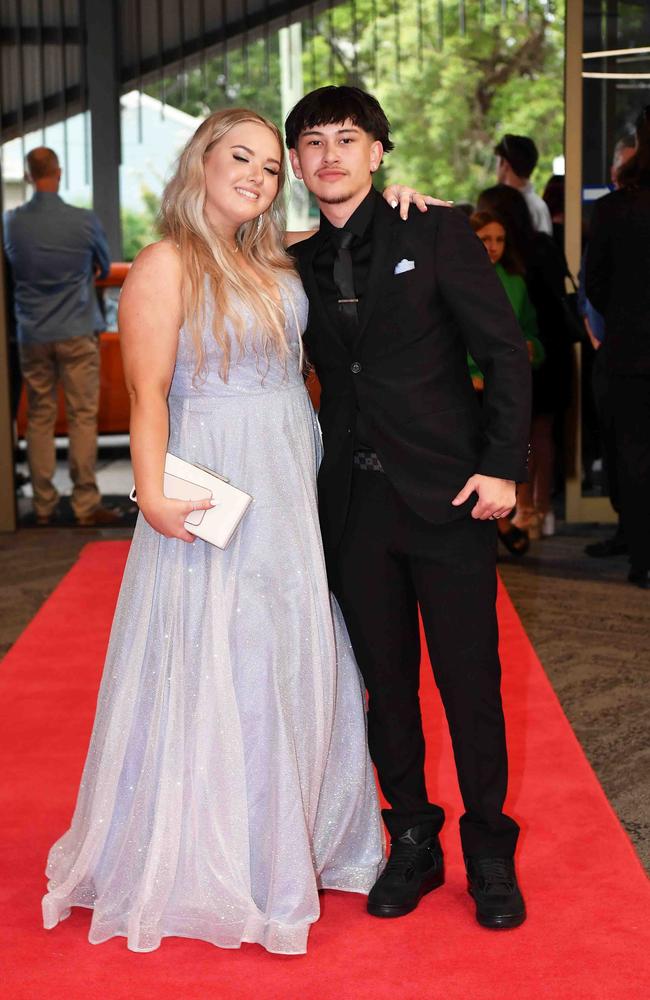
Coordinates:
587	934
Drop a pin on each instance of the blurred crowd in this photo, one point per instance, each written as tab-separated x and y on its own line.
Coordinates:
605	308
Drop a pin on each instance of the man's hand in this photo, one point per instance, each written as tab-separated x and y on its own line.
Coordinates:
496	497
399	194
595	343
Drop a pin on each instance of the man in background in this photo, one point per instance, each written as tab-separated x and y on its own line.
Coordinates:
517	157
595	327
616	283
54	251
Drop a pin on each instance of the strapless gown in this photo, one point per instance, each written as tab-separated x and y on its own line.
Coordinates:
228	778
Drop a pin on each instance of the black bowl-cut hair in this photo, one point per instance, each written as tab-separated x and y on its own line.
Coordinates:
335	105
520	151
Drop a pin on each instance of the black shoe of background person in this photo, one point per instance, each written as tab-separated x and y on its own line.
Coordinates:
415	867
615	546
516	540
640	578
492	883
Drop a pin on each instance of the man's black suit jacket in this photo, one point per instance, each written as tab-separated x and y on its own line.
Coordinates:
407	369
617	278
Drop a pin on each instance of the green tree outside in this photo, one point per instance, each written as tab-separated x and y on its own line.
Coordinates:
449	95
450	107
139	228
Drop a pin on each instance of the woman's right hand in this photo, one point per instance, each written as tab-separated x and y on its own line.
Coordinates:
168	516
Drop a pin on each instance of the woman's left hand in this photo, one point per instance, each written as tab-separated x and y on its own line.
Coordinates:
400	194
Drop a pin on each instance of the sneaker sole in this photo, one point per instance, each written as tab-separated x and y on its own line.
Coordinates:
386	910
498	922
504	923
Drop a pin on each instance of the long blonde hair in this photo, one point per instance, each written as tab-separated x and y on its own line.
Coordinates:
206	255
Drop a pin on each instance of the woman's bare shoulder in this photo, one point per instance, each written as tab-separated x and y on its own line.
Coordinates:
158	265
163	254
155	277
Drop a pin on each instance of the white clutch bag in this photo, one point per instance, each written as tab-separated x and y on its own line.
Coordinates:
186	481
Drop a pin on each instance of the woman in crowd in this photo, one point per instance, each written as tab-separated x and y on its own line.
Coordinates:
617	270
492	233
228	778
545	268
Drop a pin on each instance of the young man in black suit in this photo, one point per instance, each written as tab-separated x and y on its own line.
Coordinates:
412	478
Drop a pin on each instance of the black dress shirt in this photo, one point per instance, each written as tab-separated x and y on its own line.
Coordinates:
360	224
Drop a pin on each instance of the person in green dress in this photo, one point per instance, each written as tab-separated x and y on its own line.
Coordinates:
492	233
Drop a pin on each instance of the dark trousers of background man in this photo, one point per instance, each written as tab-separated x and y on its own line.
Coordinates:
630	397
75	364
389	561
601	392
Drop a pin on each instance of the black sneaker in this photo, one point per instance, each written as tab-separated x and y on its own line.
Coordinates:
415	867
492	883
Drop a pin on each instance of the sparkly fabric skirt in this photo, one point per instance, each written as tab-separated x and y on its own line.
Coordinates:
227	779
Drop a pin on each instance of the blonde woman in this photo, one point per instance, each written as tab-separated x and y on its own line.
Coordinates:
228	778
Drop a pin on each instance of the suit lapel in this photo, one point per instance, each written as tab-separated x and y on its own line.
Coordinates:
381	262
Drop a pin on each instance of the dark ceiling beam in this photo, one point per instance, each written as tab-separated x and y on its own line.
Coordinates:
72	35
51	107
192	47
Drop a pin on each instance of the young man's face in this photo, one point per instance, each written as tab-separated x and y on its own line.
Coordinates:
336	162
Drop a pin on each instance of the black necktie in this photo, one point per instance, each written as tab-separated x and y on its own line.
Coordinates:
344	277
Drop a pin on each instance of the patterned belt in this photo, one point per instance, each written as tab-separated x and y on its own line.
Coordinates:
367	460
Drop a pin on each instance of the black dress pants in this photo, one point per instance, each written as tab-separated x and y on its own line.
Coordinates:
390	561
630	398
601	391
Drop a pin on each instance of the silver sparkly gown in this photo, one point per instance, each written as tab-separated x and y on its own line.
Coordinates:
227	778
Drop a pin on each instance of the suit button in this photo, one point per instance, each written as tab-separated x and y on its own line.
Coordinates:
355	367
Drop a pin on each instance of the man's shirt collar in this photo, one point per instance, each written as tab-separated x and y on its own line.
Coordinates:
46	198
360	220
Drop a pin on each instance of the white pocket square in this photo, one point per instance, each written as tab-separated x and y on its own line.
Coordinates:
404	265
